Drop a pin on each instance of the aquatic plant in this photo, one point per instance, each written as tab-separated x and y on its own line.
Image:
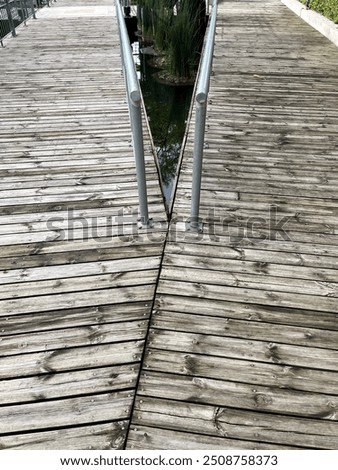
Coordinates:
183	40
176	28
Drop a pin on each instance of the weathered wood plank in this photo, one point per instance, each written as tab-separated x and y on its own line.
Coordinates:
68	359
256	296
308	318
260	280
144	438
236	424
44	415
68	384
73	337
104	213
237	395
100	233
78	270
92	437
245	370
246	349
252	235
249	329
76	300
70	226
255	221
291	254
78	317
51	254
75	284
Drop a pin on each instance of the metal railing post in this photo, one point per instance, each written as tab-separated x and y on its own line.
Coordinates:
33	9
10	18
135	113
200	118
20	10
24	6
201	98
136	121
27	15
23	11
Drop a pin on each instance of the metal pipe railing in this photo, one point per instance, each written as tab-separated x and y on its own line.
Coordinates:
135	112
9	18
15	12
201	100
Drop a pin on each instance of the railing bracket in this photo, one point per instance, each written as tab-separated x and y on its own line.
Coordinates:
193	225
145	224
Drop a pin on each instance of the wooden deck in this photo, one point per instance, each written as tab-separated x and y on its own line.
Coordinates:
242	350
243	345
77	286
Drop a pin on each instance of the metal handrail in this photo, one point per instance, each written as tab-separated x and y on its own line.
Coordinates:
201	98
15	12
135	113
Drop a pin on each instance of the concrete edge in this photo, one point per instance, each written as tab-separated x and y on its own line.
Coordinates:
325	26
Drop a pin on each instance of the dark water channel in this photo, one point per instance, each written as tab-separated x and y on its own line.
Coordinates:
167	108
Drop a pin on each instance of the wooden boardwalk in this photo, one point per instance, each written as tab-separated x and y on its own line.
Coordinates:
242	349
77	275
243	345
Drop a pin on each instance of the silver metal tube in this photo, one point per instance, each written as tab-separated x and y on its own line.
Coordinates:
136	121
128	62
201	111
135	113
27	9
23	11
201	98
205	70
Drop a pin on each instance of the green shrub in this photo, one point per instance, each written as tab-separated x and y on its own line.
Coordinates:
328	8
183	40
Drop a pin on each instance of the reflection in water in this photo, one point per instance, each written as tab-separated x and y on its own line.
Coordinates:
167	108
